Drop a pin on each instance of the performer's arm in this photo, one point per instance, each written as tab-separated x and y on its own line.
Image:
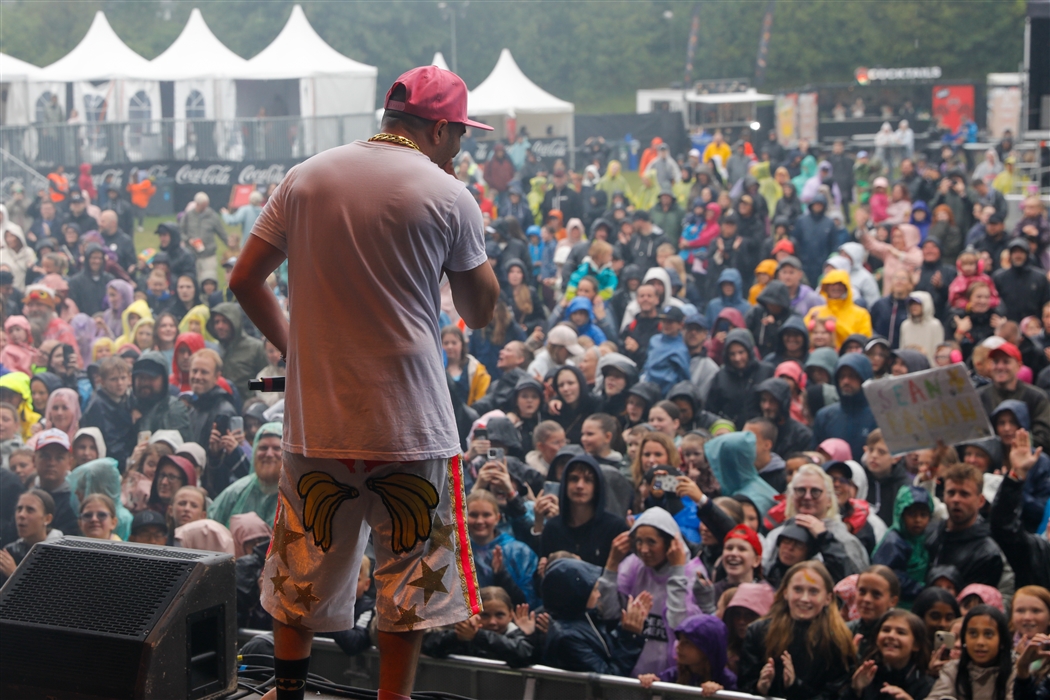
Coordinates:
248	281
475	293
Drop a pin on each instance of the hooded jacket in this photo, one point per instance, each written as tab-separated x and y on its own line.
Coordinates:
592	540
851	418
243	357
653	273
708	634
18	357
1037	485
849	318
578	642
206	408
180	260
1023	290
792	436
731	385
816	237
732	460
18	261
688	391
927	333
87	291
901	551
670	587
1034	399
734	301
767	336
615	405
179	381
667	361
728	319
571	417
113	418
972	552
141	309
779	352
864	284
590	328
1028	554
165	412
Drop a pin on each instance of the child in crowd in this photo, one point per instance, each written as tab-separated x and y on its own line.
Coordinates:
970	269
700	654
502	632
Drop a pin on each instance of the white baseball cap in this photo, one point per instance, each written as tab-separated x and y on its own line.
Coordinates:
53	436
567	338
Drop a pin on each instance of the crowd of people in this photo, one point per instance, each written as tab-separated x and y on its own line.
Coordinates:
672	471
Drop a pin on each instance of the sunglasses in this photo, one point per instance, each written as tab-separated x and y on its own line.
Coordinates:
99	515
802	491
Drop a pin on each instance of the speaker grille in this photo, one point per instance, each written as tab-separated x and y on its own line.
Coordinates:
93	591
121	548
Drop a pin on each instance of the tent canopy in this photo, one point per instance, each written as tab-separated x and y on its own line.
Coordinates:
507	91
12	69
299	52
100	55
439	61
197	53
727	98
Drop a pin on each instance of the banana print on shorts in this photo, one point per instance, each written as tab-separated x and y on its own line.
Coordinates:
408	499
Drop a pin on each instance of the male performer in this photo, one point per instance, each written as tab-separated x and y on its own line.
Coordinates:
370	440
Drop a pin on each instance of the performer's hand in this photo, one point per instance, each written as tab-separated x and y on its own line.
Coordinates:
497	559
467	629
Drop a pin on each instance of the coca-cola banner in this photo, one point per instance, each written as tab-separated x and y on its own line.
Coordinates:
548	150
178	181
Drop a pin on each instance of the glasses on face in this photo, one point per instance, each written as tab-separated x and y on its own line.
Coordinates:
99	515
169	477
803	492
839	481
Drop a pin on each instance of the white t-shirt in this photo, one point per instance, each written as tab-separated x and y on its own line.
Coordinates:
367	229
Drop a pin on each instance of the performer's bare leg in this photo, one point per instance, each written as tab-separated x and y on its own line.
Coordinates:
398	659
289	643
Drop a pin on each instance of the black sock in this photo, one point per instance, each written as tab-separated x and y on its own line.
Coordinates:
291	678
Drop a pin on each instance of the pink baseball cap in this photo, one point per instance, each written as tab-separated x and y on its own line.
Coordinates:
433	93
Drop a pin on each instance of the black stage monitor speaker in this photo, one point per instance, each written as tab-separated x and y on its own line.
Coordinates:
86	619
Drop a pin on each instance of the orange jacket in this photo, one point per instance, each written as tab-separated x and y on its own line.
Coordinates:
141	192
59	187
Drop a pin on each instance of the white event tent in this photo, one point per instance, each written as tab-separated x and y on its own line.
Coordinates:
110	81
329	82
507	92
439	61
15	75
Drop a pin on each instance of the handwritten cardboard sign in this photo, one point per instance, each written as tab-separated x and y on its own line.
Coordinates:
916	410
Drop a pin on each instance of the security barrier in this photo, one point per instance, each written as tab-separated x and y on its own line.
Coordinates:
485	679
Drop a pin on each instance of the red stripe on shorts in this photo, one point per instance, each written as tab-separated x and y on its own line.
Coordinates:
465	558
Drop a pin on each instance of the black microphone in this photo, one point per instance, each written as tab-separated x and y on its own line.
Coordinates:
267	384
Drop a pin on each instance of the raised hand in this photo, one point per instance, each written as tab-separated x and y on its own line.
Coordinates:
676	553
864	675
765	677
543	623
789	670
1022	458
688	487
895	692
497	559
633	618
525	620
621	547
467	629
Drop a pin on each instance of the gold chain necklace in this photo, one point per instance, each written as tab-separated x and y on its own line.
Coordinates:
394	138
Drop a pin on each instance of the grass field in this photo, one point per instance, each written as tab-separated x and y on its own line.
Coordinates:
146	239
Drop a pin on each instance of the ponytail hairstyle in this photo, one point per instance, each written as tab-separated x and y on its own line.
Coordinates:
963	684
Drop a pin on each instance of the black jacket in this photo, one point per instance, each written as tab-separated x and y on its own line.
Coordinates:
513	647
779	354
887	315
590	541
566	200
882	492
577	641
166	412
939	294
205	410
86	291
641	250
792	436
767	336
912	680
180	260
972	552
121	244
815	678
642	330
1022	291
113	418
1028	554
732	390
